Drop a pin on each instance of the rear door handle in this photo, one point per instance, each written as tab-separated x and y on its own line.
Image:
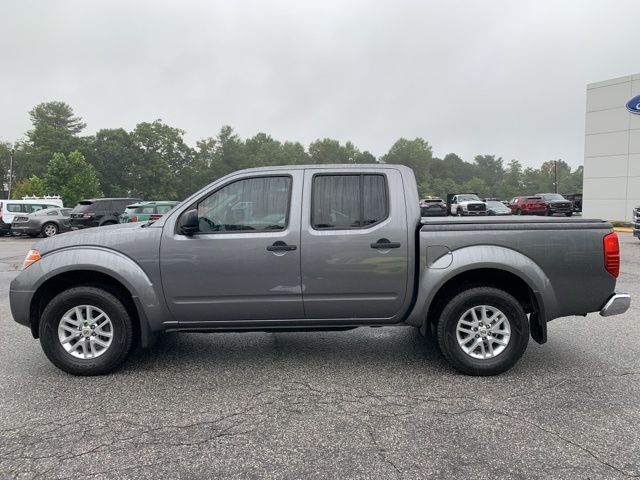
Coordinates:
280	246
384	244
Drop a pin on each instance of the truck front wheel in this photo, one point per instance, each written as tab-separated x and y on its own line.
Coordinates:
86	331
483	331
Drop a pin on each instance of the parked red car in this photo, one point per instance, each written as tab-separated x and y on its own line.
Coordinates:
528	205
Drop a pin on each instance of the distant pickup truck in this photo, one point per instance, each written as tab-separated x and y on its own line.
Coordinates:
315	248
463	204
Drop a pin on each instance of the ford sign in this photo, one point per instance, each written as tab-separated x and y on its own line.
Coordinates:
633	105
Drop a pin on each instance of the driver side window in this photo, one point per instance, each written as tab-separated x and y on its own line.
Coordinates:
249	205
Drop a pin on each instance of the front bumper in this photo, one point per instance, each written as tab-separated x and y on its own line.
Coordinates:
20	303
616	305
474	212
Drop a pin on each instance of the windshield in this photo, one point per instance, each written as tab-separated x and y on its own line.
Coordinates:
469	198
552	196
495	204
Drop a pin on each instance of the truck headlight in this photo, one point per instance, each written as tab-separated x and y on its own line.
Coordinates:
32	257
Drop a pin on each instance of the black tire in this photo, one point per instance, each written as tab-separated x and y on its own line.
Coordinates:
122	331
548	213
453	311
110	222
518	212
50	224
459	212
569	214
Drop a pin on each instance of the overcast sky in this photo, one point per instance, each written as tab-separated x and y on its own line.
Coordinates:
496	77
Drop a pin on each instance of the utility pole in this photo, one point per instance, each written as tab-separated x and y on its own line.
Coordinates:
555	174
10	173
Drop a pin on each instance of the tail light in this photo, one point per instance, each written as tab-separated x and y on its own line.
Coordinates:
133	218
154	216
0	211
611	253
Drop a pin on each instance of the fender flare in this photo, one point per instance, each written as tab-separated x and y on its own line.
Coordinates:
437	272
123	269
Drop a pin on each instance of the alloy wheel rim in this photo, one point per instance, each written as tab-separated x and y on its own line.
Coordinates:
50	230
483	332
85	332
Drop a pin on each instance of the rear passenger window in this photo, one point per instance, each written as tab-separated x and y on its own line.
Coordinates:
14	207
348	201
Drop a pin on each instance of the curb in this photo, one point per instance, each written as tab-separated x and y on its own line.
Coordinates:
623	229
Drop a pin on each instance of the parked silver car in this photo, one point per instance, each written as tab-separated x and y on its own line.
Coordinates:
47	222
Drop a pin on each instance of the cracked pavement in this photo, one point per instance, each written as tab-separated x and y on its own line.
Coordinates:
366	403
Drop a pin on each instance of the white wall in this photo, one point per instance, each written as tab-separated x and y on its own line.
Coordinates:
611	150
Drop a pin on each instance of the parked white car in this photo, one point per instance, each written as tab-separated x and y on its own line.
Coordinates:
10	208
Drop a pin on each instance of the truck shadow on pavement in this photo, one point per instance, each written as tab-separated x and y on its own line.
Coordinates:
386	348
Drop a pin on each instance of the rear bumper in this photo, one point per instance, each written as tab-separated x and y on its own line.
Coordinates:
25	229
616	305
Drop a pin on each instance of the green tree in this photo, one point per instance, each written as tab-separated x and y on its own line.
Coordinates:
163	170
115	157
512	182
29	186
72	178
477	185
442	187
490	169
415	154
55	129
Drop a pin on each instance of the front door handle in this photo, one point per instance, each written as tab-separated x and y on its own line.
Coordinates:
384	244
280	246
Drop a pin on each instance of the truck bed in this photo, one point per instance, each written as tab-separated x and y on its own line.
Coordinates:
560	258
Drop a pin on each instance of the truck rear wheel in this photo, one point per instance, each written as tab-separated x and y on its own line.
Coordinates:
86	331
483	331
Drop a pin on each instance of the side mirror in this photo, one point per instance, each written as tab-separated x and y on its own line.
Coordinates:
189	223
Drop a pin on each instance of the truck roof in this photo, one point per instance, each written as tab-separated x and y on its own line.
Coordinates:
355	166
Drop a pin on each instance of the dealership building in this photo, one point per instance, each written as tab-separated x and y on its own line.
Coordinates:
611	186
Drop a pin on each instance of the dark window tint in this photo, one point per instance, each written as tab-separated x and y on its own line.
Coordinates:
348	201
65	212
250	205
53	212
374	198
84	206
14	207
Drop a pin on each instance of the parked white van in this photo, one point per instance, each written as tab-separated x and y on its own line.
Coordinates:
9	209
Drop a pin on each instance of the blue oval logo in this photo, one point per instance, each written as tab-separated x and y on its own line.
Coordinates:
633	105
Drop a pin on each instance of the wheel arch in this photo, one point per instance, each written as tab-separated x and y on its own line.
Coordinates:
100	268
486	277
485	265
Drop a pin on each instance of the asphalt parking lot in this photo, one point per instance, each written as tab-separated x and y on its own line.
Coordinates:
367	403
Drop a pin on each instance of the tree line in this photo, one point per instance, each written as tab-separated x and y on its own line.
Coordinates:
153	161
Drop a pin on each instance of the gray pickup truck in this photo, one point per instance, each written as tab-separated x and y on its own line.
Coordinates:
315	248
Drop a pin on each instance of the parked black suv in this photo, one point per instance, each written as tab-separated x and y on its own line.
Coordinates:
97	212
556	203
